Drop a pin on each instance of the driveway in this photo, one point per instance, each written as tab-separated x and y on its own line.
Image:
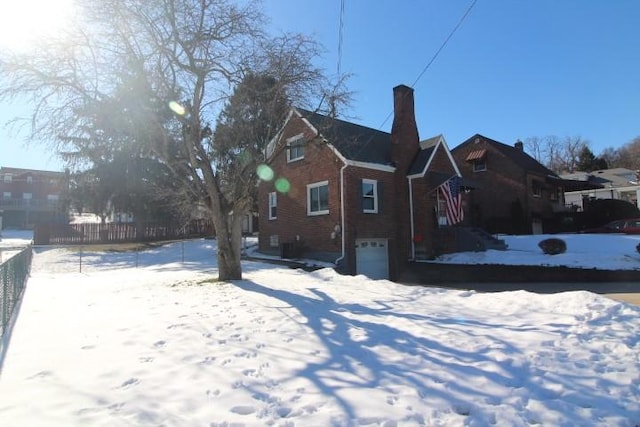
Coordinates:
630	298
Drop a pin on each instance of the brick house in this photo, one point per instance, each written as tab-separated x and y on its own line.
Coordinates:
516	193
362	198
29	196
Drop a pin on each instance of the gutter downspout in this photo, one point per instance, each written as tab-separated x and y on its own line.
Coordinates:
413	244
342	229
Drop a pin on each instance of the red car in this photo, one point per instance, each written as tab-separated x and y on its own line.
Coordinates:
627	226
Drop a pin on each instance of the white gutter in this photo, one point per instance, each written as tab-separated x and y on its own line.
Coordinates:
342	229
413	244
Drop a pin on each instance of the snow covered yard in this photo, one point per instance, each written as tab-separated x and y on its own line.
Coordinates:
164	344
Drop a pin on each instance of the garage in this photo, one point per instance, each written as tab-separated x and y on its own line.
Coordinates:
372	258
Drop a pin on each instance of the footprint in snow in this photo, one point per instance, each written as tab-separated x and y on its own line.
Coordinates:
243	410
130	382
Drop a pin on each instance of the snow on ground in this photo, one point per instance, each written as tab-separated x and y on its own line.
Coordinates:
164	344
600	251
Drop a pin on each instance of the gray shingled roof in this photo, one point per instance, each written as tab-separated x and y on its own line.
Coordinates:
420	162
354	142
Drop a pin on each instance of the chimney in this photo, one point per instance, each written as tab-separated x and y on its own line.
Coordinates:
519	145
404	131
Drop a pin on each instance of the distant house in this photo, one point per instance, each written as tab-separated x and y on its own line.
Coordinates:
516	194
29	197
369	200
617	183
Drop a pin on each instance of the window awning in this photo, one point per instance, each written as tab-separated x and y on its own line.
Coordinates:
476	155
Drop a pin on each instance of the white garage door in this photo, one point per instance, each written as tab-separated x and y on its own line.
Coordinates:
372	258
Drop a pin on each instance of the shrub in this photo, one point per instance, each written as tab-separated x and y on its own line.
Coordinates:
553	246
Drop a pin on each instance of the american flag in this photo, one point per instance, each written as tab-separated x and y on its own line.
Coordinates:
450	191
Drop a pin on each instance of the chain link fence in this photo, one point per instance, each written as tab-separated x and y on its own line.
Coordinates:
13	278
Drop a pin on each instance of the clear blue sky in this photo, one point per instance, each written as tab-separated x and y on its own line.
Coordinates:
514	69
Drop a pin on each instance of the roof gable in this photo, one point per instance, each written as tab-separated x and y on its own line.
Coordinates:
428	149
516	155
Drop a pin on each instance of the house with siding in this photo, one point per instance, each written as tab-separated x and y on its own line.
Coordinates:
365	199
515	193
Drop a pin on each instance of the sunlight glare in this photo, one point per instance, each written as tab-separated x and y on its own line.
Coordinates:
177	108
24	22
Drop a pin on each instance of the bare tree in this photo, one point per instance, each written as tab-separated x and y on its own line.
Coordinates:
155	74
561	155
626	156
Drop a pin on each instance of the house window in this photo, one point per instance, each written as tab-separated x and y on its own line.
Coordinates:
29	179
536	188
295	148
6	195
273	205
27	197
318	198
369	196
274	241
479	165
442	212
7	178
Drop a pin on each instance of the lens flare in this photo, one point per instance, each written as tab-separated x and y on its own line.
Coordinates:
177	108
282	185
265	173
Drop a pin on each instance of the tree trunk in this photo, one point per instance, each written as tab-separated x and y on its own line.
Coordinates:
229	238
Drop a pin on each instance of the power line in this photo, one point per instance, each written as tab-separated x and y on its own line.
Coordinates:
442	46
340	31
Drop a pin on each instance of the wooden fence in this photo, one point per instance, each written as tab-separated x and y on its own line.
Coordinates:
69	234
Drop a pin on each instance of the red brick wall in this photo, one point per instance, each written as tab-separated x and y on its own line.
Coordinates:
503	183
360	225
424	207
292	222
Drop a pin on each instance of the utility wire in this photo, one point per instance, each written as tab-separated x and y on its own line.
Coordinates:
442	46
340	31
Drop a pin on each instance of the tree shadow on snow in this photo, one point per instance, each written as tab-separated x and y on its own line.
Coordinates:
353	335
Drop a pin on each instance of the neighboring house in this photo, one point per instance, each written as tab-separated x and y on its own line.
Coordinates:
363	198
29	197
516	193
618	183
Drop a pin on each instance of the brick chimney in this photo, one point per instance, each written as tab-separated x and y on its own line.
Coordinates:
405	142
405	145
519	145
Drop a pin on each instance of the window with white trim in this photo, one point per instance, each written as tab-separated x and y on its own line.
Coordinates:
479	165
536	188
295	148
8	178
318	198
6	195
273	205
369	196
